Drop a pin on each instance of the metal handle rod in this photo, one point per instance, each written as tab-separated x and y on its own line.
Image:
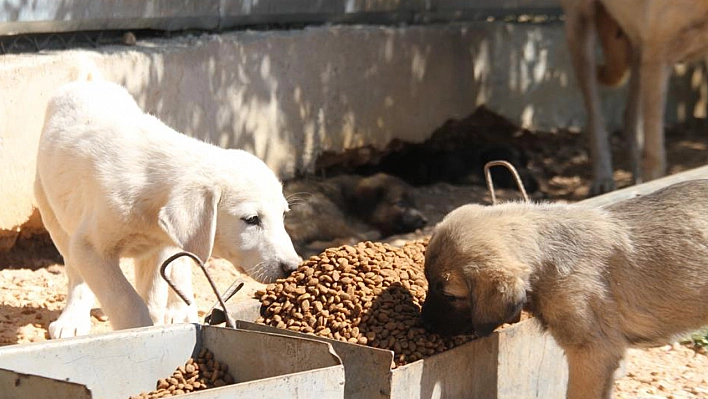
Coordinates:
512	169
230	292
163	268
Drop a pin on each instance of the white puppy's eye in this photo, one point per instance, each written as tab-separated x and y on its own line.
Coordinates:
252	220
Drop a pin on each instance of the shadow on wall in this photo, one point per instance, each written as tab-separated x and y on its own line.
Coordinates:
282	101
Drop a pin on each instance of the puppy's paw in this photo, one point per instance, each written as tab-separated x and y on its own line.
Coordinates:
66	327
602	186
181	313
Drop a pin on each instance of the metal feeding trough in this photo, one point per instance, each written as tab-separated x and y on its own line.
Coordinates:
516	362
120	364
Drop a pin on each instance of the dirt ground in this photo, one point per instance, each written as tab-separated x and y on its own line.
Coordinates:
32	290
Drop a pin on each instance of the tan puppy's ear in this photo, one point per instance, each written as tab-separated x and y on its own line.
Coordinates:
189	219
516	299
498	299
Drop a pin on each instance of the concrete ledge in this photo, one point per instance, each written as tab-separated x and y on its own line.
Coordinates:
43	16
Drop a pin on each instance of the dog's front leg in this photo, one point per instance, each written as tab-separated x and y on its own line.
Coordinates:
579	26
177	310
102	273
164	305
654	76
591	371
633	129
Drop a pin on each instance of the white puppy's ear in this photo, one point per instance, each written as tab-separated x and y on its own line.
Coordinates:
189	218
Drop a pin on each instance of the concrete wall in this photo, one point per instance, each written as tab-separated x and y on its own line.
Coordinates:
289	95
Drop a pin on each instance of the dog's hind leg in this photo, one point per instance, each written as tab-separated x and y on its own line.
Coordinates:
164	305
75	319
579	29
591	371
118	298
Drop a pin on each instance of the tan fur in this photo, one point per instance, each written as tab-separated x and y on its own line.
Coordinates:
615	47
657	34
598	279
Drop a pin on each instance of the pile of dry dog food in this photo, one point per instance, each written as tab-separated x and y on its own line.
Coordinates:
369	294
196	375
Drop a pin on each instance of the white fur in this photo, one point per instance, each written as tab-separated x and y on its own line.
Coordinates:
115	182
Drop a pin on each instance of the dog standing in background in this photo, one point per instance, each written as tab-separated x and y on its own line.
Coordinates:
642	37
600	280
115	182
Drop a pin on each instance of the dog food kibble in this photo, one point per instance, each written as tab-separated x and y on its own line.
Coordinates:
196	375
368	294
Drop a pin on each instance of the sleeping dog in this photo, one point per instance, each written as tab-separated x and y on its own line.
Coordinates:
350	206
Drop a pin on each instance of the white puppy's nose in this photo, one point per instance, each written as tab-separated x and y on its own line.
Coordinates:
290	266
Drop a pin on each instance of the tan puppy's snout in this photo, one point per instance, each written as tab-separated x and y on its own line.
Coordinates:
485	329
512	312
440	316
515	310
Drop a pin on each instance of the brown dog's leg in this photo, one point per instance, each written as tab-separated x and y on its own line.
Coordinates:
633	129
579	28
591	372
654	76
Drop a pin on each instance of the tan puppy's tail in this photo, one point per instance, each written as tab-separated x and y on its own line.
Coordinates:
615	46
86	70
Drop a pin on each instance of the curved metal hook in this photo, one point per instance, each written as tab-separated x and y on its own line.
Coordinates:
195	258
512	169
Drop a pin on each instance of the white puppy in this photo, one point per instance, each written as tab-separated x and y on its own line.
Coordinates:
115	182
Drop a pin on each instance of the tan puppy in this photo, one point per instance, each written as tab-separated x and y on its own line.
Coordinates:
598	279
646	37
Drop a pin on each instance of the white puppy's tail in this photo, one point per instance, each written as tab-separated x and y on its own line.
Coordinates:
87	71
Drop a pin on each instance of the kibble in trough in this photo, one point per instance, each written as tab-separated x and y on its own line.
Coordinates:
196	375
368	294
